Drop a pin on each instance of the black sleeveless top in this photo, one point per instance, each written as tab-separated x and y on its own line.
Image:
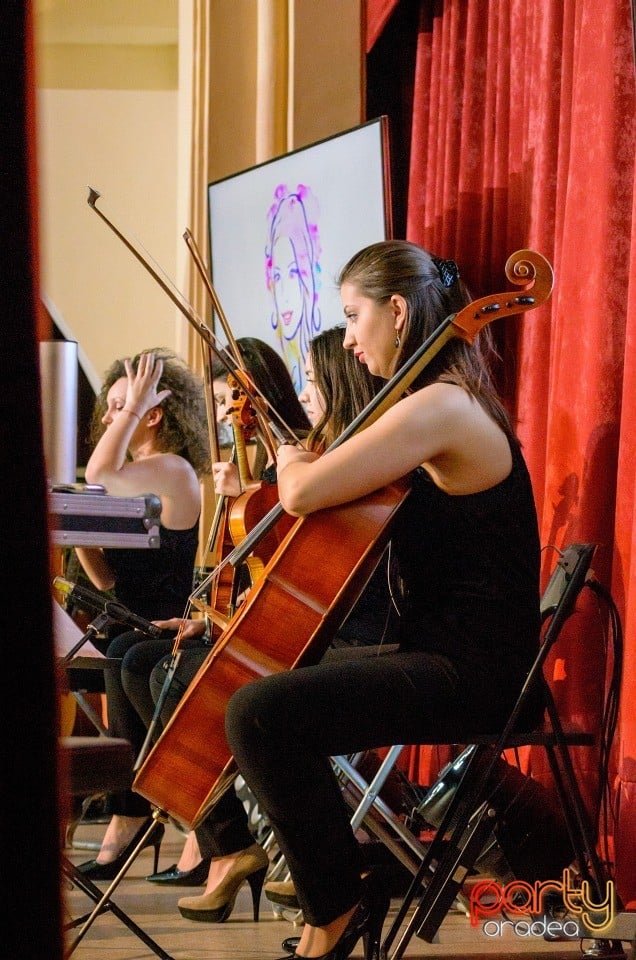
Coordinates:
469	574
156	584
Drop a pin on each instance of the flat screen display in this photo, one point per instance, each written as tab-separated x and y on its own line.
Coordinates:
280	232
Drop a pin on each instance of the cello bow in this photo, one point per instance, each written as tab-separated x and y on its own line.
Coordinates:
290	616
232	362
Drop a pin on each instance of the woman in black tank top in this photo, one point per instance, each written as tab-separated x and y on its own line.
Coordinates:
149	429
467	549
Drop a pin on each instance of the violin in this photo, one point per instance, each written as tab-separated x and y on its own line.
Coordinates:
291	615
227	533
221	605
257	497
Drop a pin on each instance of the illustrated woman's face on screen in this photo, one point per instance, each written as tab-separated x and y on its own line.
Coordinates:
292	268
288	287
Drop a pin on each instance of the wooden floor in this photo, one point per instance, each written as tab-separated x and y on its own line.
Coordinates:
154	908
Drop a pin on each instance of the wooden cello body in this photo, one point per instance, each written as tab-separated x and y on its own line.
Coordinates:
288	620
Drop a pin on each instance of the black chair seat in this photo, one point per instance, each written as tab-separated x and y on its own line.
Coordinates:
97	764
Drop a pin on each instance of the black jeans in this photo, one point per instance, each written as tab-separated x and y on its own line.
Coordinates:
282	730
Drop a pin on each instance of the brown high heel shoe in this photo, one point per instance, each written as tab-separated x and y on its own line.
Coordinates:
216	907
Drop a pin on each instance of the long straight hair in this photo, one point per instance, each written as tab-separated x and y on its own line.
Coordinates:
399	267
272	380
345	386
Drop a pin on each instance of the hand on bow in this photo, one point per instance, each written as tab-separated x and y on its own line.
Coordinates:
191	628
226	479
292	453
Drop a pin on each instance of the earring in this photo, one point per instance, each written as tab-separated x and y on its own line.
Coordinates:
397	341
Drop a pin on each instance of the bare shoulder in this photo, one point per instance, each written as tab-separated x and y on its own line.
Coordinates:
439	401
173	473
172	462
179	489
472	451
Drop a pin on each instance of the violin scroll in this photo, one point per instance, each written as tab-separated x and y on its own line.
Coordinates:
524	268
242	410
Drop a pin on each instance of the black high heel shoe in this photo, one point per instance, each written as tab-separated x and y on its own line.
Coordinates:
366	921
108	871
183	878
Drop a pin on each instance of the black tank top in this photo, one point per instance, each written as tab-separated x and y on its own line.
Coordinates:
156	584
469	572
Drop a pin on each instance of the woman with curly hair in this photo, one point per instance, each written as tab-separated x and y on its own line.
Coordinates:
149	427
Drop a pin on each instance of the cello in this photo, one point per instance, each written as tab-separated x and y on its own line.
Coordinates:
291	615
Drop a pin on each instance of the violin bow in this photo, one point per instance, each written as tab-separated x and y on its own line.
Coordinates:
192	317
266	432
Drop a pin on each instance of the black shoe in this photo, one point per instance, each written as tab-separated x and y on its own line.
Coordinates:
183	878
290	943
108	871
366	921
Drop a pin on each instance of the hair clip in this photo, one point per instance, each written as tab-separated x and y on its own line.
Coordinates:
448	271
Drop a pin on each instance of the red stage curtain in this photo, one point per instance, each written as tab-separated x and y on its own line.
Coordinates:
377	14
523	137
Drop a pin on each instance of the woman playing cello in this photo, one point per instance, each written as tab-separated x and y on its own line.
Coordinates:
229	854
467	546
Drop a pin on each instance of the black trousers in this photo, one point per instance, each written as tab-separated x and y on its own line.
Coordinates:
225	829
130	705
282	730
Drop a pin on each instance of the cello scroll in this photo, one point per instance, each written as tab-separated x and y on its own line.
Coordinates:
524	267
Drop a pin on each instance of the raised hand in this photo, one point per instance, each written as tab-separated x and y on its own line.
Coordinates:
141	393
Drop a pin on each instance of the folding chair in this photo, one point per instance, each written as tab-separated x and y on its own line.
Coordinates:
465	829
101	765
472	811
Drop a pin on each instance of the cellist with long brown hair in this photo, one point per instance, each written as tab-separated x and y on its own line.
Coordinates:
466	542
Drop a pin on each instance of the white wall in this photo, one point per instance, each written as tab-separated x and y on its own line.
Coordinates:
123	143
110	116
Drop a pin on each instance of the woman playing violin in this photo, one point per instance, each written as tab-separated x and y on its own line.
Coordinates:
467	547
273	382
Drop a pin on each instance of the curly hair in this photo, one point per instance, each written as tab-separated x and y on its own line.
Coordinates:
183	427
